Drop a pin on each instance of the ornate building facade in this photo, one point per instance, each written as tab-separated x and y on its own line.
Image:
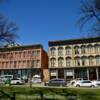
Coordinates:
76	58
23	60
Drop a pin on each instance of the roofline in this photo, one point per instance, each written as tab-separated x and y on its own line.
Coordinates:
23	46
74	41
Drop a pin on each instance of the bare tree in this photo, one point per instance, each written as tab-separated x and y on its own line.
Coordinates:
90	14
7	31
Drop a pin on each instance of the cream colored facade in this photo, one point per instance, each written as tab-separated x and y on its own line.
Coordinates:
73	55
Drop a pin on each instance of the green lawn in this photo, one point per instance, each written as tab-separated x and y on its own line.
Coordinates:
50	93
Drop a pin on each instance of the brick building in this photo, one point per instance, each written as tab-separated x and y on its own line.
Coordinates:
21	60
75	58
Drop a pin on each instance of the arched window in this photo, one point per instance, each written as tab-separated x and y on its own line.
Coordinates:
97	48
52	51
76	50
68	62
60	51
91	60
90	49
77	61
60	62
83	49
97	60
84	61
52	62
68	50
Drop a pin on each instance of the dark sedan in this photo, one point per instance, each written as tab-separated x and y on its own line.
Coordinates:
57	82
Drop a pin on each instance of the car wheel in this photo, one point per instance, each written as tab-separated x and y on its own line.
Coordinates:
92	86
17	83
72	83
77	85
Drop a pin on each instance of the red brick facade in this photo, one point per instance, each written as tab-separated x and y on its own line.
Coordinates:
20	60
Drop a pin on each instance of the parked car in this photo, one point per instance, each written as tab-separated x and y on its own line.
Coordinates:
25	79
84	83
96	82
16	81
36	81
57	82
6	77
72	82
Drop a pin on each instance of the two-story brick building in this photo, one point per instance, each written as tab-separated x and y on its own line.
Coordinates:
23	60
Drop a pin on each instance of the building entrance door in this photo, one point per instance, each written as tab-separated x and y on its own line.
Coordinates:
61	73
92	74
81	73
98	73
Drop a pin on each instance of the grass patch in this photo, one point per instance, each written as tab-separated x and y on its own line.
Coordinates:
50	93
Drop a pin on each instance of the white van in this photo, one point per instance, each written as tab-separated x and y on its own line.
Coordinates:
36	79
5	77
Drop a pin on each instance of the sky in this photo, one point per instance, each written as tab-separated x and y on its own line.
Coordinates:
40	21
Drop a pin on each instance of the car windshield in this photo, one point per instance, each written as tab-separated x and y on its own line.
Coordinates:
60	80
86	81
15	79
